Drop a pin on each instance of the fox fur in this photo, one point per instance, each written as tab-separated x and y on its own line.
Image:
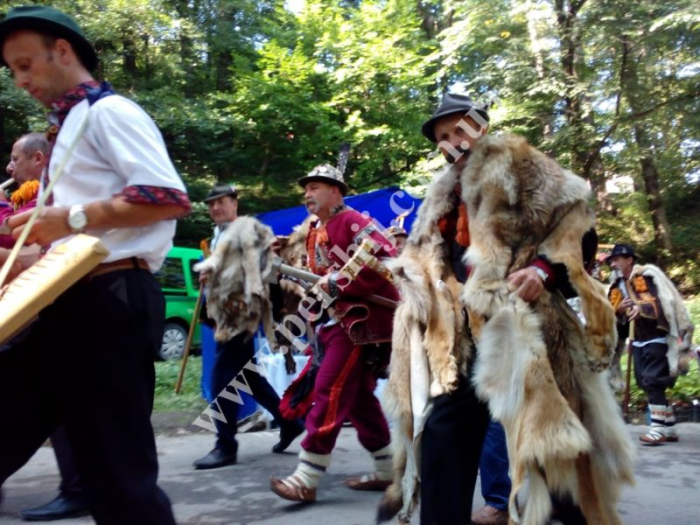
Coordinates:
429	342
538	366
238	298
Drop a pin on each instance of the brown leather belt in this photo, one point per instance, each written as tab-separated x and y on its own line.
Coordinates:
122	264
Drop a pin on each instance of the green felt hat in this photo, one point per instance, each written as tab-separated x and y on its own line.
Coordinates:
49	21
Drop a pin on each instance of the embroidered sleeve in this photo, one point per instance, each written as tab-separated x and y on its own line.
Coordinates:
157	195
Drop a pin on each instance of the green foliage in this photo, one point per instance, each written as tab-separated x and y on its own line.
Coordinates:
245	91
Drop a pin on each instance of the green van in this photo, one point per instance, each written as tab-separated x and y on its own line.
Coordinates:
180	287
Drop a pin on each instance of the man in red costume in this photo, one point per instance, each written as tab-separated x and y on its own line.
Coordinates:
344	387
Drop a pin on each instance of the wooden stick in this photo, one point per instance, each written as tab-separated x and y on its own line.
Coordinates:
626	396
190	336
9	182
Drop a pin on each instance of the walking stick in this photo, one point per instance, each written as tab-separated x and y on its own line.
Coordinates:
190	336
626	396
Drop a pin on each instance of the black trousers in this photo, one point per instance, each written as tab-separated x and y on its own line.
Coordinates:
70	486
451	448
87	363
651	371
230	359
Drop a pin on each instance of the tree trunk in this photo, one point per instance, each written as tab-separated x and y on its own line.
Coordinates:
585	154
536	48
650	173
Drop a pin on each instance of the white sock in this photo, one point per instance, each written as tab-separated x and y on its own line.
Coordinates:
658	420
383	463
310	469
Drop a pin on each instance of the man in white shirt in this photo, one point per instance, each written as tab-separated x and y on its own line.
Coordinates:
88	361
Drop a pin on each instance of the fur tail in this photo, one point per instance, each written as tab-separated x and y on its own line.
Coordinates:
391	503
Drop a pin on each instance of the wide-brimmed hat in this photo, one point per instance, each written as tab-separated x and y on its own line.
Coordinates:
451	103
328	174
221	190
50	21
621	249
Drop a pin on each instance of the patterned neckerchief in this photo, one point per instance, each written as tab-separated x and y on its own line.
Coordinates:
62	106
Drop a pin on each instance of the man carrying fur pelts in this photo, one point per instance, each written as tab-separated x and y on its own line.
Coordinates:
523	255
235	353
648	304
346	379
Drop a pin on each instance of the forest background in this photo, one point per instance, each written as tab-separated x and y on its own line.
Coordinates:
258	92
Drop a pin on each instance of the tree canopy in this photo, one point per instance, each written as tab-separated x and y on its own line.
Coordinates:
255	93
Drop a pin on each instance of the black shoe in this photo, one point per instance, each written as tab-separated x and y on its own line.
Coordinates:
215	459
59	509
288	433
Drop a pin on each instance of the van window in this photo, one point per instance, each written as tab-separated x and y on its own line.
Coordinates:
171	274
194	276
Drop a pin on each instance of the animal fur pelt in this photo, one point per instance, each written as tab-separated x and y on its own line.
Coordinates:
238	299
429	346
680	328
538	367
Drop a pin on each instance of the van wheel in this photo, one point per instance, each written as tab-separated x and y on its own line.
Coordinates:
174	340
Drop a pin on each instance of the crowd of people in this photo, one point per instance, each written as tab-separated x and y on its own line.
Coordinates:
93	395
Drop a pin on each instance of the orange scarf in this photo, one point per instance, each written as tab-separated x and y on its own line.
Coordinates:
460	226
25	194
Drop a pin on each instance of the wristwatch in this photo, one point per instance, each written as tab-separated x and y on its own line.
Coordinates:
77	219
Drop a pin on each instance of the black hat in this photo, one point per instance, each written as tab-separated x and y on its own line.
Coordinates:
328	174
450	105
221	190
52	22
621	249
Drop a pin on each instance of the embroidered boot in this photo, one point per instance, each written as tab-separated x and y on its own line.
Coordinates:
669	429
301	486
655	436
382	476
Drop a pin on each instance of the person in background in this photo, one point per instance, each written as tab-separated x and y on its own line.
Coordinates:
231	357
651	312
346	379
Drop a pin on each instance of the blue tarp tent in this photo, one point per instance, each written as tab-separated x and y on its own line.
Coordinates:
383	205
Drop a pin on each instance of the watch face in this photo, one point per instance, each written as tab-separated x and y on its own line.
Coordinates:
77	220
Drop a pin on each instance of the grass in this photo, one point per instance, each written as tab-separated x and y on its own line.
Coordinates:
190	397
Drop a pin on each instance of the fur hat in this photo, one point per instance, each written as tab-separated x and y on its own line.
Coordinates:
52	22
328	174
451	104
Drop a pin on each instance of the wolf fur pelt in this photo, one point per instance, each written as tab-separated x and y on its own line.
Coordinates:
680	328
538	366
429	345
238	299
